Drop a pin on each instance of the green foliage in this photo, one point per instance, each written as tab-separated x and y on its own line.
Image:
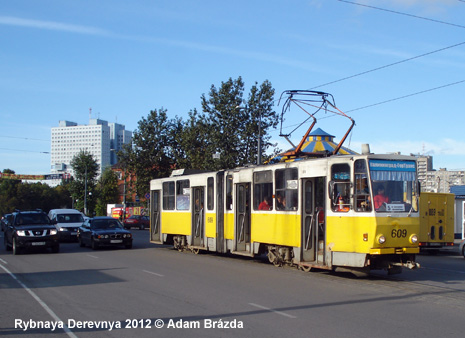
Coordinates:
235	122
17	195
151	153
108	193
85	169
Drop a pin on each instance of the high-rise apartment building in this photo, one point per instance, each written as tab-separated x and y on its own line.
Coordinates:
99	138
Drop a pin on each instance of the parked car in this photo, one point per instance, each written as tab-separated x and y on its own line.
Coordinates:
462	247
137	221
104	231
30	229
67	222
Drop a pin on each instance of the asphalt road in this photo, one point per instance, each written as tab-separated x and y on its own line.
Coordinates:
94	293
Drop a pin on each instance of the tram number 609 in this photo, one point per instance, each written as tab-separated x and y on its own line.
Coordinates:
400	233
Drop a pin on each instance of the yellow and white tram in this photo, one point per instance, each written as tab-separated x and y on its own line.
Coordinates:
322	212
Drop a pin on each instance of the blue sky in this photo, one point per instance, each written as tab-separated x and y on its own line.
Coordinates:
124	58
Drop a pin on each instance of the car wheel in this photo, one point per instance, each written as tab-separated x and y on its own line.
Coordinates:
16	249
55	248
94	245
5	241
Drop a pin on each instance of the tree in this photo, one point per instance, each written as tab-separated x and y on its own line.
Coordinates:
82	188
150	154
108	193
235	122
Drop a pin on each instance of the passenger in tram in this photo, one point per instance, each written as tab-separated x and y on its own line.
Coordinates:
280	202
266	204
380	198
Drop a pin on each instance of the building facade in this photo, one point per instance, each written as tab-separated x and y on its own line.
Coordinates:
100	138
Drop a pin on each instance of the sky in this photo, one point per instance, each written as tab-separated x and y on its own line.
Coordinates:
397	67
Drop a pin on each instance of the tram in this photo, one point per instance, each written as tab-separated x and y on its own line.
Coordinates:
323	213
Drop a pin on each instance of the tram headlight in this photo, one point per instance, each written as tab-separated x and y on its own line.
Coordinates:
413	239
381	239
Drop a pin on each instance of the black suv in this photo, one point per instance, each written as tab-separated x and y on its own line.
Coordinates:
30	229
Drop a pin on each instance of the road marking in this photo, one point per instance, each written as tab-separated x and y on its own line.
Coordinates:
4	262
271	310
154	273
92	256
41	302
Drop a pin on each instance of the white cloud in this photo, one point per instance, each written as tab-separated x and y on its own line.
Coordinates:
51	25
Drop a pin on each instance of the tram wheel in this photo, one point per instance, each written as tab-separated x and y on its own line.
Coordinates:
196	251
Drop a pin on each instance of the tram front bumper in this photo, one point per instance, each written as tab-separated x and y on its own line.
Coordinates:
393	251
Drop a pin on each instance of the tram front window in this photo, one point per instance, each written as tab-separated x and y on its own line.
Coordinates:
394	186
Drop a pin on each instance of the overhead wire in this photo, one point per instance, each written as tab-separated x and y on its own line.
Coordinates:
402	13
395	63
389	65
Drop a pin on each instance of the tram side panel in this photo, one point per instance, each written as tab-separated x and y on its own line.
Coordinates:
276	228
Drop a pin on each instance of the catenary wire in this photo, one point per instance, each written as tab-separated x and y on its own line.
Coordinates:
401	13
389	65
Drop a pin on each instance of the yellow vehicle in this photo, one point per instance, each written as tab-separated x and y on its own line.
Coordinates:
436	220
320	212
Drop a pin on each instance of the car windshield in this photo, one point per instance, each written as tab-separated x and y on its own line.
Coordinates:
70	218
26	219
106	224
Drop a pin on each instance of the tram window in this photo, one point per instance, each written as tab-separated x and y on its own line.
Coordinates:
340	199
362	195
182	195
210	193
168	195
229	189
263	190
286	189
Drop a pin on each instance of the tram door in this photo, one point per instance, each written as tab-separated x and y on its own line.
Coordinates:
155	216
198	216
242	233
313	220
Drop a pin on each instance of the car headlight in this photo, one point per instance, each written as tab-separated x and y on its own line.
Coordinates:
21	233
53	232
381	239
413	239
63	229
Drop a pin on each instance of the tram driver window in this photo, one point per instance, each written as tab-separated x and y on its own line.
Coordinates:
286	193
263	190
340	187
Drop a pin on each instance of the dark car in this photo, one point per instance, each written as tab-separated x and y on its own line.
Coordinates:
104	231
137	221
30	229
